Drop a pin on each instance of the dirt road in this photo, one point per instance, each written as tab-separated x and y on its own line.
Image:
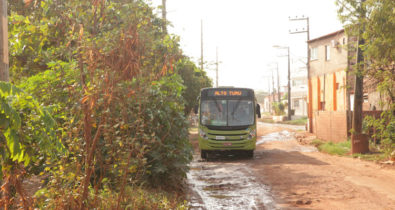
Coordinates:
286	175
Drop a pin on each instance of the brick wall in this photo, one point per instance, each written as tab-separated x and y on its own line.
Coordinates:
330	125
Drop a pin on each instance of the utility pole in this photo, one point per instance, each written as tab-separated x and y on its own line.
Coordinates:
216	69
201	45
4	73
164	13
268	86
278	85
310	93
289	78
289	86
359	142
273	85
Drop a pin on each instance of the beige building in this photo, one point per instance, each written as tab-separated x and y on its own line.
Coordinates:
328	98
328	77
331	88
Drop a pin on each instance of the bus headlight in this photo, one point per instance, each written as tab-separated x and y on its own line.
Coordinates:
252	134
203	134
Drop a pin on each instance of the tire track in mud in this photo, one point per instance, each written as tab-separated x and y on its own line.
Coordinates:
226	183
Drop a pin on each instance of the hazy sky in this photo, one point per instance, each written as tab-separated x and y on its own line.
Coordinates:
245	31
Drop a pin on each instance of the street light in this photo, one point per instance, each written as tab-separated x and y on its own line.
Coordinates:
289	79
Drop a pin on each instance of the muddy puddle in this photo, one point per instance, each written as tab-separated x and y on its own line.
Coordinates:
285	135
276	136
293	127
226	184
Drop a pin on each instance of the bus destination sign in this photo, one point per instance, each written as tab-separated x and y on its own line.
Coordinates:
227	93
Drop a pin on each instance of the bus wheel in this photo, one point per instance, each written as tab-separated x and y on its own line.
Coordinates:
249	153
203	154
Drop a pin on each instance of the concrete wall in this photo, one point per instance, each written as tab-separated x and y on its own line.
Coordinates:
330	125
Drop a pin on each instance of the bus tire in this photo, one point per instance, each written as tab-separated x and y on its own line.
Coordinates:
203	154
249	154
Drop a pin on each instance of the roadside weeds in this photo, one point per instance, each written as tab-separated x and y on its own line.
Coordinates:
343	149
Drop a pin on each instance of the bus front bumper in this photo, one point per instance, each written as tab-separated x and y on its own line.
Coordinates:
244	144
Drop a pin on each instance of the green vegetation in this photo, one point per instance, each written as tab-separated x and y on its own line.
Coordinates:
384	134
27	138
135	198
371	156
103	118
373	21
278	108
344	148
339	148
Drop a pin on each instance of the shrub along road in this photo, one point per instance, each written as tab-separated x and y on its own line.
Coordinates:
286	175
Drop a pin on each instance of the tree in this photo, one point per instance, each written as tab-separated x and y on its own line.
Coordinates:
354	13
373	22
194	80
119	92
379	48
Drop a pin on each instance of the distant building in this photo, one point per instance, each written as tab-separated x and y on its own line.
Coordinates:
329	98
299	94
268	102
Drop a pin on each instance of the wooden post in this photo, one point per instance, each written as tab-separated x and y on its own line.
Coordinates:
4	73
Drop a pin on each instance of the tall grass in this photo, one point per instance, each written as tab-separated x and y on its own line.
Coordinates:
339	148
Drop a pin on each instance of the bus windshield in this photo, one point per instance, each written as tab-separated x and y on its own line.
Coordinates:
227	112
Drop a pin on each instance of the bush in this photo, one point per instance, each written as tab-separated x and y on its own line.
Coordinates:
385	130
278	108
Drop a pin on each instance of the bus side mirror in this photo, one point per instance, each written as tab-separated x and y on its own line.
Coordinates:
195	109
258	110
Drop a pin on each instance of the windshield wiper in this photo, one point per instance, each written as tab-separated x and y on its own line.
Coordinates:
237	105
217	105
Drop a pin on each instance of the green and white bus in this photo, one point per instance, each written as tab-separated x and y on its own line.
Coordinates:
227	120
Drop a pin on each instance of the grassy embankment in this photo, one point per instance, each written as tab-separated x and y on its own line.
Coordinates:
344	149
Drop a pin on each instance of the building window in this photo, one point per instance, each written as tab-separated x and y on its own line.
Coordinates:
327	52
313	53
344	40
322	105
296	103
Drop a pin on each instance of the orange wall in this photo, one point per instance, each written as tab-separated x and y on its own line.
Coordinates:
324	90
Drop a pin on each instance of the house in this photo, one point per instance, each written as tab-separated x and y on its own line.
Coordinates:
331	87
299	93
328	96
